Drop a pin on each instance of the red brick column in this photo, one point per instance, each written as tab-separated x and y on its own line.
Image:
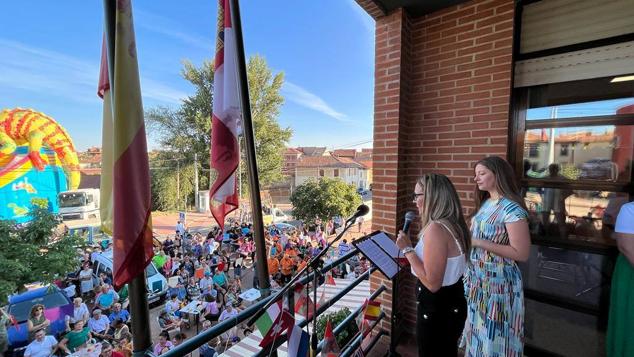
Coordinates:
391	88
442	96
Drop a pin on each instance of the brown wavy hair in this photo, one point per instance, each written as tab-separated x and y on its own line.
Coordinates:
505	182
442	204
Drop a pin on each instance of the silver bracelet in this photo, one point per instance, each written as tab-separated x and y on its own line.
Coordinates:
407	250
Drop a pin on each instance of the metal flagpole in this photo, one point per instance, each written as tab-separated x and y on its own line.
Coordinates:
247	125
139	310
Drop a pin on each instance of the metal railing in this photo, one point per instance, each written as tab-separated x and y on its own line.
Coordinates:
197	341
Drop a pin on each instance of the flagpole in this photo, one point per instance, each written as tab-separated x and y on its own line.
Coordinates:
247	125
139	311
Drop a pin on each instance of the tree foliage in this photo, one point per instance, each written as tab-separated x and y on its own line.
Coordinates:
173	184
187	130
34	252
324	199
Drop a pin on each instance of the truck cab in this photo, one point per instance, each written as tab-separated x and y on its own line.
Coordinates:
79	204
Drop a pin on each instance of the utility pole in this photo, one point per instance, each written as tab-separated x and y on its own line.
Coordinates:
196	180
178	183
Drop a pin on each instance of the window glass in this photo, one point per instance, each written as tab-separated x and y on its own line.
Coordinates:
586	109
568	214
602	153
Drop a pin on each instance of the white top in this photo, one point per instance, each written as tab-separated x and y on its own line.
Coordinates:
455	267
40	349
79	313
625	219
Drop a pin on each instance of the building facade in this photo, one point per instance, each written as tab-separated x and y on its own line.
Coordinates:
344	168
545	84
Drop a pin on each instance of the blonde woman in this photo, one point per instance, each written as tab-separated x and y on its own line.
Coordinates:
438	261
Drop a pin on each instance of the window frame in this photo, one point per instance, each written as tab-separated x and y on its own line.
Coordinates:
518	126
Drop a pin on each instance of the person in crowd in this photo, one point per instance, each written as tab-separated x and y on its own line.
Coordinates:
193	290
37	320
125	345
273	266
85	280
237	266
500	239
173	305
80	313
159	260
178	339
77	337
344	248
107	298
438	262
220	284
211	312
99	325
208	349
118	313
621	317
104	278
228	313
163	345
167	321
42	346
168	246
206	282
121	330
286	268
180	228
107	350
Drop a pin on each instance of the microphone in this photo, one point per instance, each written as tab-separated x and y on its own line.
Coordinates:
409	217
362	210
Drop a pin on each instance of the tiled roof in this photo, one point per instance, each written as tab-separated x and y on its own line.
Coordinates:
345	152
312	150
292	151
327	161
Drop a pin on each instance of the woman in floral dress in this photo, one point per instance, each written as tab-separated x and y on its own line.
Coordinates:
493	283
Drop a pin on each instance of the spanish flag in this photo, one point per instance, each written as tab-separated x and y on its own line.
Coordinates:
372	310
130	169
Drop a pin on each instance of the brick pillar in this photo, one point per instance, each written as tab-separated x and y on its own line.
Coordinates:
390	196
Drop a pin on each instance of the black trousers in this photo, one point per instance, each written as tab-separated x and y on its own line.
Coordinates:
440	319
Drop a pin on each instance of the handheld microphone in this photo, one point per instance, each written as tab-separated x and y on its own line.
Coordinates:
409	217
362	210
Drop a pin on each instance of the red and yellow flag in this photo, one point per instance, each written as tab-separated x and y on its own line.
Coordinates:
225	154
130	169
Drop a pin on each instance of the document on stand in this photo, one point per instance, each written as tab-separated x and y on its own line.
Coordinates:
381	251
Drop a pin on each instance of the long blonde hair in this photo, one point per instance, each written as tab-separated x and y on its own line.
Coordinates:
442	205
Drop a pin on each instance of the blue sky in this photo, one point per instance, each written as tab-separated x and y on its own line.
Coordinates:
50	61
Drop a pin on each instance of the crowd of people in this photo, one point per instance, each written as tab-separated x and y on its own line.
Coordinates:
204	270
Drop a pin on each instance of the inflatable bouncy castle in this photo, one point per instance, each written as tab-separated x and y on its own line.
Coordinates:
37	162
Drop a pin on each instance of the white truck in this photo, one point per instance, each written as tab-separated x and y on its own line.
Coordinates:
79	204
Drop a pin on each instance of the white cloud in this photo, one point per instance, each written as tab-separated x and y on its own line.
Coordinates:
301	96
38	70
169	28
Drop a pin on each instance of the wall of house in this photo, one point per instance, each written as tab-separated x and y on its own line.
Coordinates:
442	99
348	175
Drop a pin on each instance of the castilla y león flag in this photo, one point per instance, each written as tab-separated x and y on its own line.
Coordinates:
225	155
130	169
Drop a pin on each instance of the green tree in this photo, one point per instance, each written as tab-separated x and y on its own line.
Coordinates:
324	199
34	252
172	184
186	130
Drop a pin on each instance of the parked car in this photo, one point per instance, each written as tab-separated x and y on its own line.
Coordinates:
156	283
56	307
599	169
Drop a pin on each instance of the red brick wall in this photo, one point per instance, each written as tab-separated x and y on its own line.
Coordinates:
442	96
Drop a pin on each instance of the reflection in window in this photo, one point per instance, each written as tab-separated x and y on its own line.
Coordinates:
564	214
601	153
576	110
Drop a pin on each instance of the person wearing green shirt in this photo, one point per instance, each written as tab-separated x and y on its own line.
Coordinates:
76	338
159	260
